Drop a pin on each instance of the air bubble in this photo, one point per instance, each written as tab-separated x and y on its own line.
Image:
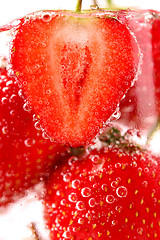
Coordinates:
144	183
92	202
47	17
5	89
104	187
80	221
5	130
80	205
63	202
13	113
121	191
45	135
72	197
26	107
114	222
21	94
4	100
140	231
94	7
75	183
38	126
67	177
88	215
134	164
118	208
29	142
116	115
86	192
117	165
114	184
146	170
94	158
48	91
72	160
67	234
110	199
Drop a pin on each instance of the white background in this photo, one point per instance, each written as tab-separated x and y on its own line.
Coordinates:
13	224
11	9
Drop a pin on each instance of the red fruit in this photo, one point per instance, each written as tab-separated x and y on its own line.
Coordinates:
140	106
25	155
112	193
156	58
74	69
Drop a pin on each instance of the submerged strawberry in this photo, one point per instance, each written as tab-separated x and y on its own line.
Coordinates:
140	107
156	57
25	155
74	69
112	193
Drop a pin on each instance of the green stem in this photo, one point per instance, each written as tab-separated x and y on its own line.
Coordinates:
79	6
109	3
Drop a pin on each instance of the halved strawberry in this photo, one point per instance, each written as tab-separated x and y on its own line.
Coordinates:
111	193
25	156
74	69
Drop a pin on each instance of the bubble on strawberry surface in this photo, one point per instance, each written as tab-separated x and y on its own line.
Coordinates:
114	222
72	197
27	107
80	205
94	158
38	125
140	231
75	183
21	93
110	199
104	187
45	135
67	235
86	192
67	177
92	202
29	142
72	160
121	191
118	208
63	202
114	184
4	100
5	130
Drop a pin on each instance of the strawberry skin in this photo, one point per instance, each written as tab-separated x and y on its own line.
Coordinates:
25	155
74	69
112	193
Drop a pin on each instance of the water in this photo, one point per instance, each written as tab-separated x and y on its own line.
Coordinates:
138	114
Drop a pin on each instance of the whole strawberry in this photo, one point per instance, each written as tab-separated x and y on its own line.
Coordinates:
156	58
25	155
111	193
140	107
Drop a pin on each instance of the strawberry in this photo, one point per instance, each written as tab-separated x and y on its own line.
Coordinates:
74	69
111	193
25	155
139	108
156	57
